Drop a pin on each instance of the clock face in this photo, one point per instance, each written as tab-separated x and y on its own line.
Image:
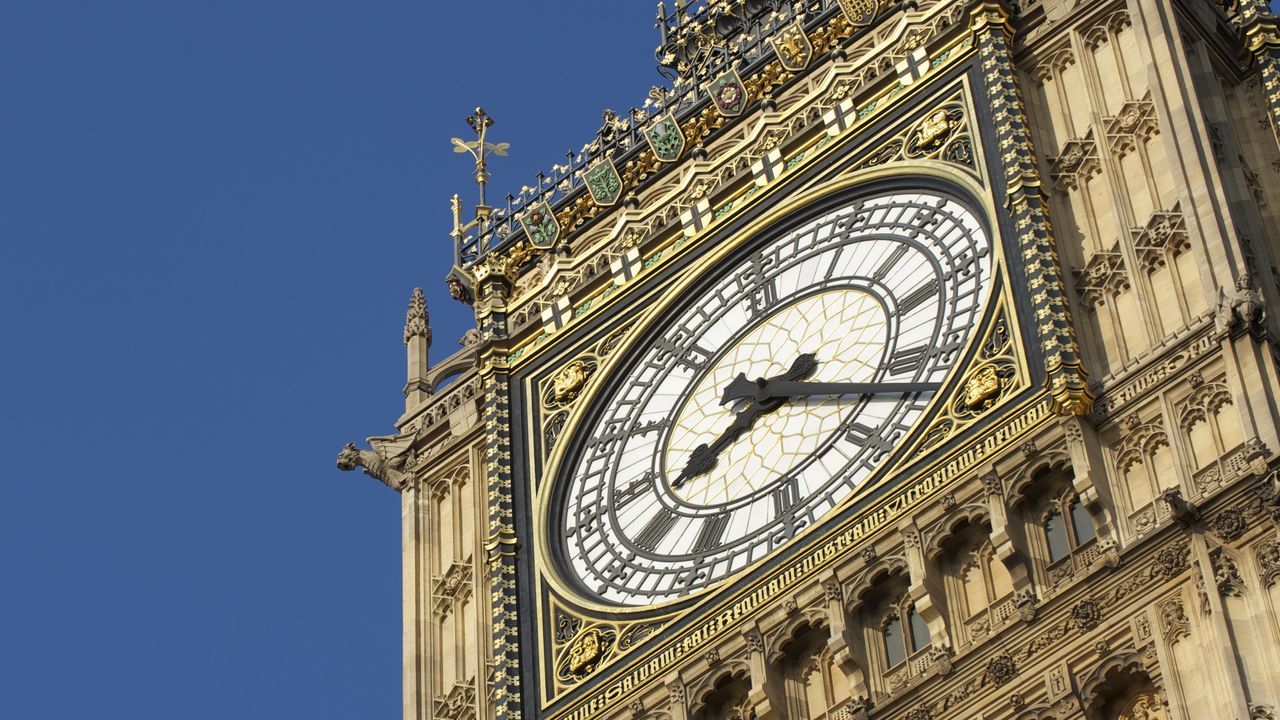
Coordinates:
738	423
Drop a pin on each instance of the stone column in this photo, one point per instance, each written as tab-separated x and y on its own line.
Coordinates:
677	699
1025	203
1216	621
1262	36
417	341
1089	477
759	695
493	282
1002	540
415	542
928	598
843	655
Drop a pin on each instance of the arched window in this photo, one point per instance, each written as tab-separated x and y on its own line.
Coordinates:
919	630
1082	523
810	685
1055	535
895	650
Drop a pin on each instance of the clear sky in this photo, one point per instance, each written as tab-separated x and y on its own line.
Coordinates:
211	218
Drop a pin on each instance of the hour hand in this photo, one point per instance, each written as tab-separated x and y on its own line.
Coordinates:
704	457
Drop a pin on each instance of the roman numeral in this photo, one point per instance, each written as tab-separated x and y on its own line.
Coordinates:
889	263
693	356
633	490
710	534
762	292
868	437
785	496
656	529
835	262
905	361
917	297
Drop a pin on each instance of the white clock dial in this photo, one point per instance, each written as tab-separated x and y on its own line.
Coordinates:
671	489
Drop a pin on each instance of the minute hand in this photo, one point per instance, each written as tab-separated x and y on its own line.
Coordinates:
772	389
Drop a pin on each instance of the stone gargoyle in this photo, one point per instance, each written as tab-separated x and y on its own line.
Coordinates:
390	471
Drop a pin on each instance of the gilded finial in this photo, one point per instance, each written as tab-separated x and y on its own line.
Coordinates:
480	149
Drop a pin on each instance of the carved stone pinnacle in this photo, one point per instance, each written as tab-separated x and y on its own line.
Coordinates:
417	322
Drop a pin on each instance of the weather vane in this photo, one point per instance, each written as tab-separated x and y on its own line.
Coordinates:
480	149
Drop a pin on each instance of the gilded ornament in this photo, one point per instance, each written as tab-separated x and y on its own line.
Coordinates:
934	129
569	381
860	13
981	390
584	652
793	47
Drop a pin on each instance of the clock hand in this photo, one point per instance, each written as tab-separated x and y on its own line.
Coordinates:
773	389
703	457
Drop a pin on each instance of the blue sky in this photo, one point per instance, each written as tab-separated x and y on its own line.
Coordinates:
212	217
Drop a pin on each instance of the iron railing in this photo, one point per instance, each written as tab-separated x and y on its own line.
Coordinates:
699	41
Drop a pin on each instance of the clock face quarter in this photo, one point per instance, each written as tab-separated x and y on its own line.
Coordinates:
675	486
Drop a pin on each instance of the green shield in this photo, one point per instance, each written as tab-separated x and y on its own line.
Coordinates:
541	226
604	183
665	138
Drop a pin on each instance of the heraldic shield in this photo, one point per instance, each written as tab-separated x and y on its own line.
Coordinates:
728	93
665	138
793	46
541	226
603	182
860	13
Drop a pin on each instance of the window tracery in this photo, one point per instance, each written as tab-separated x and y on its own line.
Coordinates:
1212	430
1060	531
1145	464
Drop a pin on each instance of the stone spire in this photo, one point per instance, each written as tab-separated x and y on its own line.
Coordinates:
417	341
417	321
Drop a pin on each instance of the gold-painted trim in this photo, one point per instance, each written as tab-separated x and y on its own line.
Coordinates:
744	196
1021	420
973	179
591	392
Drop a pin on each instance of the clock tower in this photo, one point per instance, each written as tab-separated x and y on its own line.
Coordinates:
891	360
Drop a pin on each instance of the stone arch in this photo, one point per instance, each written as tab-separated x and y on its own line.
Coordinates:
883	570
785	638
954	524
1115	683
1027	481
723	694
